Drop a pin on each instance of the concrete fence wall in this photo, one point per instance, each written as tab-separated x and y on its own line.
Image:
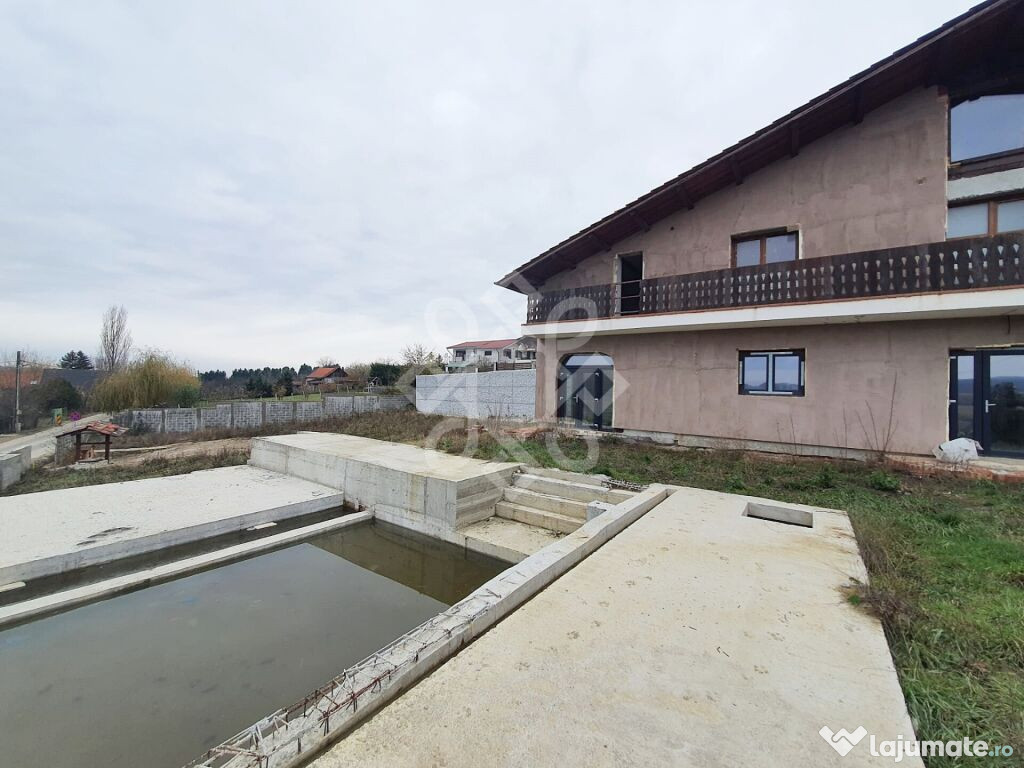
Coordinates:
494	394
249	414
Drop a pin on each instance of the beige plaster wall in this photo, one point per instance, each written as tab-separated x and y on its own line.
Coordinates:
878	184
686	383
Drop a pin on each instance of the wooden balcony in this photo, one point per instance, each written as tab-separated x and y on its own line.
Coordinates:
954	265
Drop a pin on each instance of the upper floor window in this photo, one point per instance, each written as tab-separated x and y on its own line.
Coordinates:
987	218
765	248
985	126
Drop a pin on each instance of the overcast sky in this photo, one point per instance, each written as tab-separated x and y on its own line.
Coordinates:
268	183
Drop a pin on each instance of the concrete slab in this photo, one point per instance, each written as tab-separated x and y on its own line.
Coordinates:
699	636
509	535
55	531
408	458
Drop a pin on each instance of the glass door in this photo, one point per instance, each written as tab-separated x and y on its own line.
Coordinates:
1004	403
986	399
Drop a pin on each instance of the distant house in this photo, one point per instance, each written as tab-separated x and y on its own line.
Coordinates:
512	352
82	379
29	375
332	375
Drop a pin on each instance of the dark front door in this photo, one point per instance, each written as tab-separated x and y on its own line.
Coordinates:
585	390
987	399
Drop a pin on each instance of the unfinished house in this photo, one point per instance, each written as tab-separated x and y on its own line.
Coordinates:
847	279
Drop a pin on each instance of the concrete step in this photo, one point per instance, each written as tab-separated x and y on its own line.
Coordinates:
478	506
567	489
546	502
572	477
536	517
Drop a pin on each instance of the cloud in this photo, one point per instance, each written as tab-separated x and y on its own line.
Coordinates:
264	183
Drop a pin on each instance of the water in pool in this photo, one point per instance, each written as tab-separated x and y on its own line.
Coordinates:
158	676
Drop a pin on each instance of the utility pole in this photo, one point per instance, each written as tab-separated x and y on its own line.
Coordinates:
17	392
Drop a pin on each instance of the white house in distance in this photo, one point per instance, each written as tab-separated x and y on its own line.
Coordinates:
520	353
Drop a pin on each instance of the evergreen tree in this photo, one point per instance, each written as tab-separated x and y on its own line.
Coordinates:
77	360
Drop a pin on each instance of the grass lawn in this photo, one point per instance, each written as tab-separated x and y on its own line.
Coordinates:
946	556
38	479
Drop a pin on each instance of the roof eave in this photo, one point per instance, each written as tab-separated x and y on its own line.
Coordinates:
517	280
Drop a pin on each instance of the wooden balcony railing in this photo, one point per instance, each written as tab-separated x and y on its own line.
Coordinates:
954	265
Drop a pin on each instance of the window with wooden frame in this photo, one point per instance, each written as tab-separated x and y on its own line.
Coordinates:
765	247
779	372
989	217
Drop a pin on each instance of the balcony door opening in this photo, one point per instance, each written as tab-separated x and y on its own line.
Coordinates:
629	273
986	399
585	390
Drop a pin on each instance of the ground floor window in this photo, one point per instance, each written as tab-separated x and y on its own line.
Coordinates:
778	372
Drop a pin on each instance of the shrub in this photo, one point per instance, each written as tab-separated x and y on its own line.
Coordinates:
883	481
155	378
186	397
56	393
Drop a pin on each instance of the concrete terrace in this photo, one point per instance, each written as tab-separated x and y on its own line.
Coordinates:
313	447
696	637
56	531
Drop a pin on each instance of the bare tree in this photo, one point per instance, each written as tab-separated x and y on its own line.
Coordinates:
358	372
115	339
29	358
879	437
418	355
325	362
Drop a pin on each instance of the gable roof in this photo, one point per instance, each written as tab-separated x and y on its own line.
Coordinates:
494	344
324	371
926	61
99	427
80	378
30	374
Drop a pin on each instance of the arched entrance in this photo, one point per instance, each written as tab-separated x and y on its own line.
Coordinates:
585	389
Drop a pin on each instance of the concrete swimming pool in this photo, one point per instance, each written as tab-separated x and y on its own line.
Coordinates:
141	628
160	675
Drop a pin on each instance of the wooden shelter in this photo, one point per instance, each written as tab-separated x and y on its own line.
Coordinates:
84	448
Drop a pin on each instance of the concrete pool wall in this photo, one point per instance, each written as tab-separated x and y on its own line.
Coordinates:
291	735
428	491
